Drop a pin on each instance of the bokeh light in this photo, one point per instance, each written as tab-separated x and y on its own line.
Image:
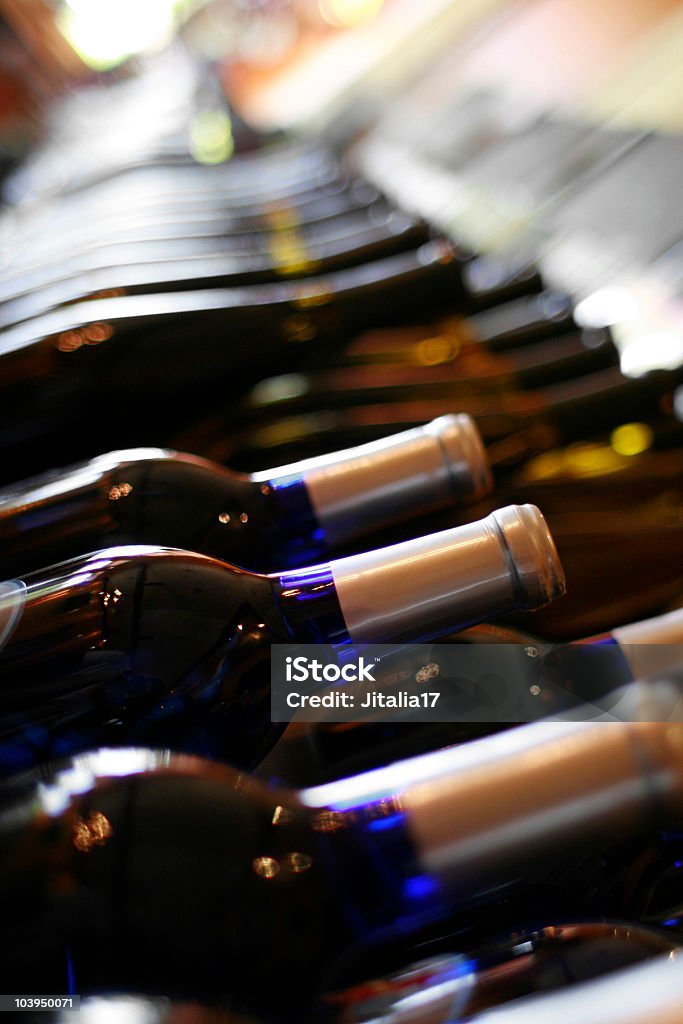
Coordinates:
105	32
632	438
211	140
347	13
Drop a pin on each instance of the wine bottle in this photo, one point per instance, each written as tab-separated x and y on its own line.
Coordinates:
589	679
255	173
160	646
290	193
595	666
648	993
67	366
63	369
308	754
504	326
253	252
273	893
470	384
444	987
328	203
287	516
40	246
514	430
172	217
152	210
171	251
272	258
359	293
655	699
162	194
477	374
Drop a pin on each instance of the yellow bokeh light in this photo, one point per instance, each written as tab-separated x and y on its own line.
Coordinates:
578	461
545	466
347	13
436	350
585	459
632	438
211	140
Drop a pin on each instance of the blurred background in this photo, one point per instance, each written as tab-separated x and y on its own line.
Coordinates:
415	95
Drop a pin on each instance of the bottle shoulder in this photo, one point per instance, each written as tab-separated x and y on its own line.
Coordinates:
153	645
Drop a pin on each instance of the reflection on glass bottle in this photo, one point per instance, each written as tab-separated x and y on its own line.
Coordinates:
161	646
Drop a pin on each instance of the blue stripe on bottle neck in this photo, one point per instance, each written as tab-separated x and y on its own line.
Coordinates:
308	599
303	538
620	658
412	894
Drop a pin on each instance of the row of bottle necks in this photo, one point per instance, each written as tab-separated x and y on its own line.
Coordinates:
293	298
140	645
144	588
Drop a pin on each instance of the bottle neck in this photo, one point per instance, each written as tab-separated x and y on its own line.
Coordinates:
647	647
647	993
451	986
285	517
351	492
429	586
512	805
161	497
290	520
592	675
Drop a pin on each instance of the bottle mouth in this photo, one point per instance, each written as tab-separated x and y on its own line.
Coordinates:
464	454
532	553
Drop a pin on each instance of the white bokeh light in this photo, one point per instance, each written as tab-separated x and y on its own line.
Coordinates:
105	32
